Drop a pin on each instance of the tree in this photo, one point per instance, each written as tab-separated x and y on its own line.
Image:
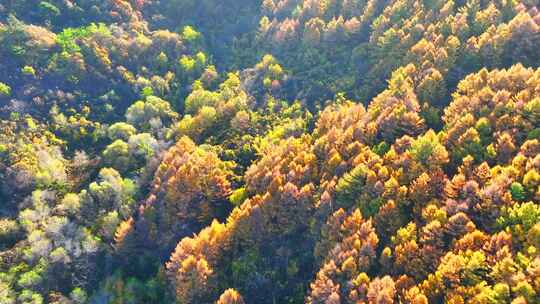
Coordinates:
142	147
230	296
116	155
121	130
352	255
428	151
5	90
190	188
109	193
152	111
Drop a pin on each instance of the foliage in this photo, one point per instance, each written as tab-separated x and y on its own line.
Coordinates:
67	39
269	151
5	90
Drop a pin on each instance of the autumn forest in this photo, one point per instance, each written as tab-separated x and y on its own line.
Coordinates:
269	152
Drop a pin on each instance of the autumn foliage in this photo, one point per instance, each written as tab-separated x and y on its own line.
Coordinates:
304	151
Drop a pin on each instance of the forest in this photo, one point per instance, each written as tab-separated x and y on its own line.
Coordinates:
269	151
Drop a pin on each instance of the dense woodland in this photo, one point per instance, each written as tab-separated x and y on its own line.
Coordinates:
276	151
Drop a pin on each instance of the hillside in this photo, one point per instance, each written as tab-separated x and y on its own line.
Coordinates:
276	151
